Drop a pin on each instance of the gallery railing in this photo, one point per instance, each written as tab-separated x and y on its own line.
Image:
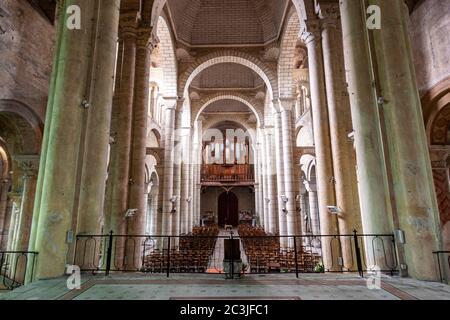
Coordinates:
443	264
227	173
259	254
13	268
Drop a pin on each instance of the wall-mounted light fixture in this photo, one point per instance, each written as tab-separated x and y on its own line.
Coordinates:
130	213
334	209
173	200
284	200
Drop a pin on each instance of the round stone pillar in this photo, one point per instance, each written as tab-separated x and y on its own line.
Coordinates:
344	162
29	165
167	191
279	155
325	180
4	187
137	197
272	198
68	99
410	165
97	132
374	194
290	190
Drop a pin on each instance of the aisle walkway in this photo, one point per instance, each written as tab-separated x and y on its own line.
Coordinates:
140	286
216	260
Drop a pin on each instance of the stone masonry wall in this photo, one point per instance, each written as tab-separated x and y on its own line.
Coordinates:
26	54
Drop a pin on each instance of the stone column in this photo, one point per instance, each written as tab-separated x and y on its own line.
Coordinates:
304	215
29	165
288	158
137	198
372	177
16	201
185	182
119	177
313	202
167	191
4	187
326	194
60	25
68	99
263	182
409	160
344	163
272	198
97	135
280	162
178	153
158	201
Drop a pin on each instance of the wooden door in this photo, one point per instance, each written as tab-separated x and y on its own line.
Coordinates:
228	209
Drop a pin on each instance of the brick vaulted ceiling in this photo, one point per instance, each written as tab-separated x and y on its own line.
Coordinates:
227	22
227	76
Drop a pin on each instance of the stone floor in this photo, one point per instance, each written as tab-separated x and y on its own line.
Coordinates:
216	260
214	286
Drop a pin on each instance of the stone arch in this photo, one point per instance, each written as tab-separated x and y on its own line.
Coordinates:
25	127
287	56
228	56
237	97
153	138
303	8
434	102
5	161
308	163
304	137
440	126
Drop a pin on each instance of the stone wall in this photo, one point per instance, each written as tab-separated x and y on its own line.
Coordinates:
209	200
26	51
430	41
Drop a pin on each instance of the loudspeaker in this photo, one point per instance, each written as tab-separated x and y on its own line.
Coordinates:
232	249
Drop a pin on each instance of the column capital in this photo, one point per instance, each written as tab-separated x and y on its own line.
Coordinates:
15	197
170	102
287	103
330	14
311	31
29	164
128	25
146	39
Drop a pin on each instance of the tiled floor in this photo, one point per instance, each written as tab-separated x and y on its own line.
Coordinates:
202	286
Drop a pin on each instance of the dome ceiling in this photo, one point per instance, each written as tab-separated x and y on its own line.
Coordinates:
227	22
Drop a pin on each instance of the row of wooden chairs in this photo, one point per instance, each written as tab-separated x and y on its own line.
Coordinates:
264	253
192	254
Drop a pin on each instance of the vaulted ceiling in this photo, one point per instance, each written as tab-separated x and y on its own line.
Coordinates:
227	75
227	22
227	105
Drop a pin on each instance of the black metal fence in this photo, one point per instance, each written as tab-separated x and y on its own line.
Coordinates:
443	264
259	254
13	268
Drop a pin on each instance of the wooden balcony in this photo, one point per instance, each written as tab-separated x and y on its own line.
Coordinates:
227	173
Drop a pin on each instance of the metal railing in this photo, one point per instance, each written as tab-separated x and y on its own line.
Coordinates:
443	262
13	268
259	254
